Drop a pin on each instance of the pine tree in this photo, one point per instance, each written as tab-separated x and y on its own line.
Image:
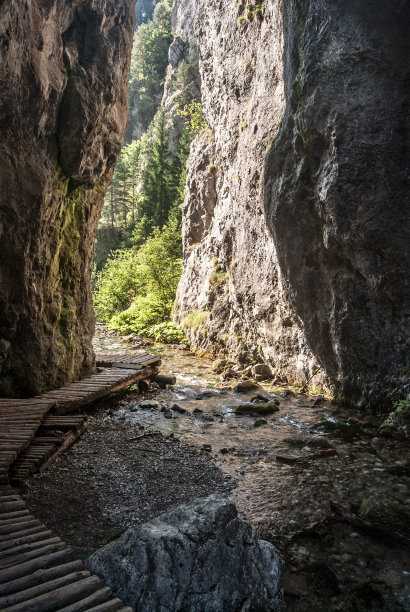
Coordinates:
158	193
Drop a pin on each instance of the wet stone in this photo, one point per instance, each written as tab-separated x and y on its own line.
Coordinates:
266	408
260	399
151	404
245	386
177	408
260	422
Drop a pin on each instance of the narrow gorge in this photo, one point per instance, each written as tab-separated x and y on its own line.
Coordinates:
295	220
220	189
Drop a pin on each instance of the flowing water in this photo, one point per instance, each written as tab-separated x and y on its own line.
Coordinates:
285	496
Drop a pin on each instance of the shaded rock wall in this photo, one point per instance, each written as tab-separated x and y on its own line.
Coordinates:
296	219
63	111
337	196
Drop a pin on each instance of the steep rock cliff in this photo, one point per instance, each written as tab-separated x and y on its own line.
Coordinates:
297	207
337	196
63	74
232	298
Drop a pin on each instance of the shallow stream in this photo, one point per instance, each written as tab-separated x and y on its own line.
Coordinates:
282	470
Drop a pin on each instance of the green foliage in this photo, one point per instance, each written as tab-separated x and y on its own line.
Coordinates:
116	285
252	10
160	188
194	117
402	406
144	10
136	289
138	251
149	61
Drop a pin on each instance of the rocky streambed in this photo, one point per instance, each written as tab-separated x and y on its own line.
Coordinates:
282	456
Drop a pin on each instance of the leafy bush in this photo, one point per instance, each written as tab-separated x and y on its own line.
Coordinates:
140	319
136	290
117	284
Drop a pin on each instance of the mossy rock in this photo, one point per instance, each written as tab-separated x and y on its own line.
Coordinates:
262	409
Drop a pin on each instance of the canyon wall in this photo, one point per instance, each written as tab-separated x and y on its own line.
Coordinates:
232	298
337	190
63	112
296	217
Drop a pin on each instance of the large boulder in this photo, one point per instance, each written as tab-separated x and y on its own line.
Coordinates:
198	557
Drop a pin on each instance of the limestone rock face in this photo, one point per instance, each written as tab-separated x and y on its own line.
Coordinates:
338	192
63	111
231	281
197	557
296	217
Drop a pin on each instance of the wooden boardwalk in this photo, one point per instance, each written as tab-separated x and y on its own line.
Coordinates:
38	572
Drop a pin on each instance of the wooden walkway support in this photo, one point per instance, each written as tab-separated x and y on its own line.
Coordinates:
38	572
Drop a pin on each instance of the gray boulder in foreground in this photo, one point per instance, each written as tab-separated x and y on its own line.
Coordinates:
197	558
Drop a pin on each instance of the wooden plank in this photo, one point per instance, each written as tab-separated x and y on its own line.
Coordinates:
57	599
8	507
23	522
41	588
21	533
42	561
22	541
109	606
100	596
7	557
69	441
39	576
9	562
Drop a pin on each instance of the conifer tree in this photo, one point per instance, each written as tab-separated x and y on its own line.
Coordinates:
158	191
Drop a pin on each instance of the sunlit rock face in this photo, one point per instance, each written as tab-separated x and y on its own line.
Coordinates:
296	217
63	111
232	297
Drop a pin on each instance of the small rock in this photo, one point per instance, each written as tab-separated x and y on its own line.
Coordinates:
260	399
230	373
318	400
177	408
319	442
245	385
244	357
288	393
267	408
260	422
207	448
168	415
149	404
219	365
209	393
247	371
197	411
262	372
